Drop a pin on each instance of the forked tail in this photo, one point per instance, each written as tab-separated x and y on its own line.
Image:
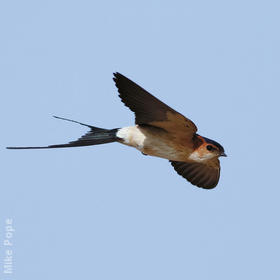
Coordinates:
95	136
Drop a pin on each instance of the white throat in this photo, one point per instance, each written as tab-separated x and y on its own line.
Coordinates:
198	156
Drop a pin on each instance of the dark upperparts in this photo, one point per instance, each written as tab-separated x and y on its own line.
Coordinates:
210	141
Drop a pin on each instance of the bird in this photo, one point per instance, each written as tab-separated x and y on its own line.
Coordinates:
159	131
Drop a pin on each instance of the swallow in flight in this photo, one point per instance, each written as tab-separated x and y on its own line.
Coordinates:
159	131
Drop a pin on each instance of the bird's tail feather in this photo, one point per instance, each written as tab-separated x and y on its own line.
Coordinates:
95	136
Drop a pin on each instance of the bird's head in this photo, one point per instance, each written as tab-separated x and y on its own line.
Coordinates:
214	147
207	149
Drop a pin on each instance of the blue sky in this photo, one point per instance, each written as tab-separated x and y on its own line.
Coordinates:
108	212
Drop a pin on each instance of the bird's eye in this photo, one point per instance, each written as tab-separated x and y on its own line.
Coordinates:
209	148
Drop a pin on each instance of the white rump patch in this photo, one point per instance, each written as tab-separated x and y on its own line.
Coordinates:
132	136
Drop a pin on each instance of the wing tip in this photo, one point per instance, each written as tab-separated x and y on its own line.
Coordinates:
116	75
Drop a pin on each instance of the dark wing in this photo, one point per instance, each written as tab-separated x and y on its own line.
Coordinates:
150	110
204	175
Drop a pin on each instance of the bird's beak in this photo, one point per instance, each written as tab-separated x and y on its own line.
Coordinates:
223	155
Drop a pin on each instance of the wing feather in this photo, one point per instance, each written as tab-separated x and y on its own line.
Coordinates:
150	110
204	175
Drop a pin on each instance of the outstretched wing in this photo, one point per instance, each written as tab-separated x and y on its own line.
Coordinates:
150	110
204	175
